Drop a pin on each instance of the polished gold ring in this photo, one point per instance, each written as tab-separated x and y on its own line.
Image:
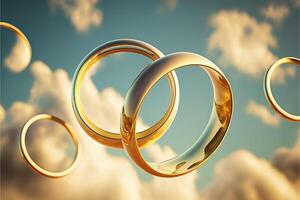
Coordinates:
19	33
33	164
208	141
114	139
268	91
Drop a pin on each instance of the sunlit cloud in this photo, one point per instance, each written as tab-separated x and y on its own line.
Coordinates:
276	13
82	13
244	43
50	93
243	176
261	112
288	162
19	57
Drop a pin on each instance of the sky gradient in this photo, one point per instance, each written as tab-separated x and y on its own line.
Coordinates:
258	38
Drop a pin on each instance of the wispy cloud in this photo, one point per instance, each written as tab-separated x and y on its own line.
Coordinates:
244	43
19	57
276	13
167	5
83	13
261	112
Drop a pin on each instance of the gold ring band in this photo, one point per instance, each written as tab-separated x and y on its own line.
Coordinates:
114	139
268	91
33	164
19	33
209	140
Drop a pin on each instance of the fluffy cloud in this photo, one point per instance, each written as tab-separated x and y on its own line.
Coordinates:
288	162
98	171
244	43
82	13
100	175
244	176
263	113
276	13
19	57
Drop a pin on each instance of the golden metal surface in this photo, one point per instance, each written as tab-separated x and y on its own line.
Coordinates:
268	91
114	139
208	141
33	164
19	33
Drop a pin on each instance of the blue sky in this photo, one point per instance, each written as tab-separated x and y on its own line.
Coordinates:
185	27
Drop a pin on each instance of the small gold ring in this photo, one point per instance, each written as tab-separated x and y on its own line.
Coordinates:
208	141
19	33
33	164
114	139
268	91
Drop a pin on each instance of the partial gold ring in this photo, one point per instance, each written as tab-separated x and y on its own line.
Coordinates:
19	33
33	164
114	139
207	142
268	91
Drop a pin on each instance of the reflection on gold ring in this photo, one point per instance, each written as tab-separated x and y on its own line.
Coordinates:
105	137
268	91
207	142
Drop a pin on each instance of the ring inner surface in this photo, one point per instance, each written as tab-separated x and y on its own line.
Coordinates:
209	140
95	57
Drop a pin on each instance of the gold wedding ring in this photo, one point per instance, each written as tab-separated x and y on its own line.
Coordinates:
268	91
19	33
114	139
208	141
33	164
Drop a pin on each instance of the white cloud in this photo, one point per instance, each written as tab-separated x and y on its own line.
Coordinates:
243	176
263	113
276	13
246	44
50	93
18	107
83	13
288	162
19	57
